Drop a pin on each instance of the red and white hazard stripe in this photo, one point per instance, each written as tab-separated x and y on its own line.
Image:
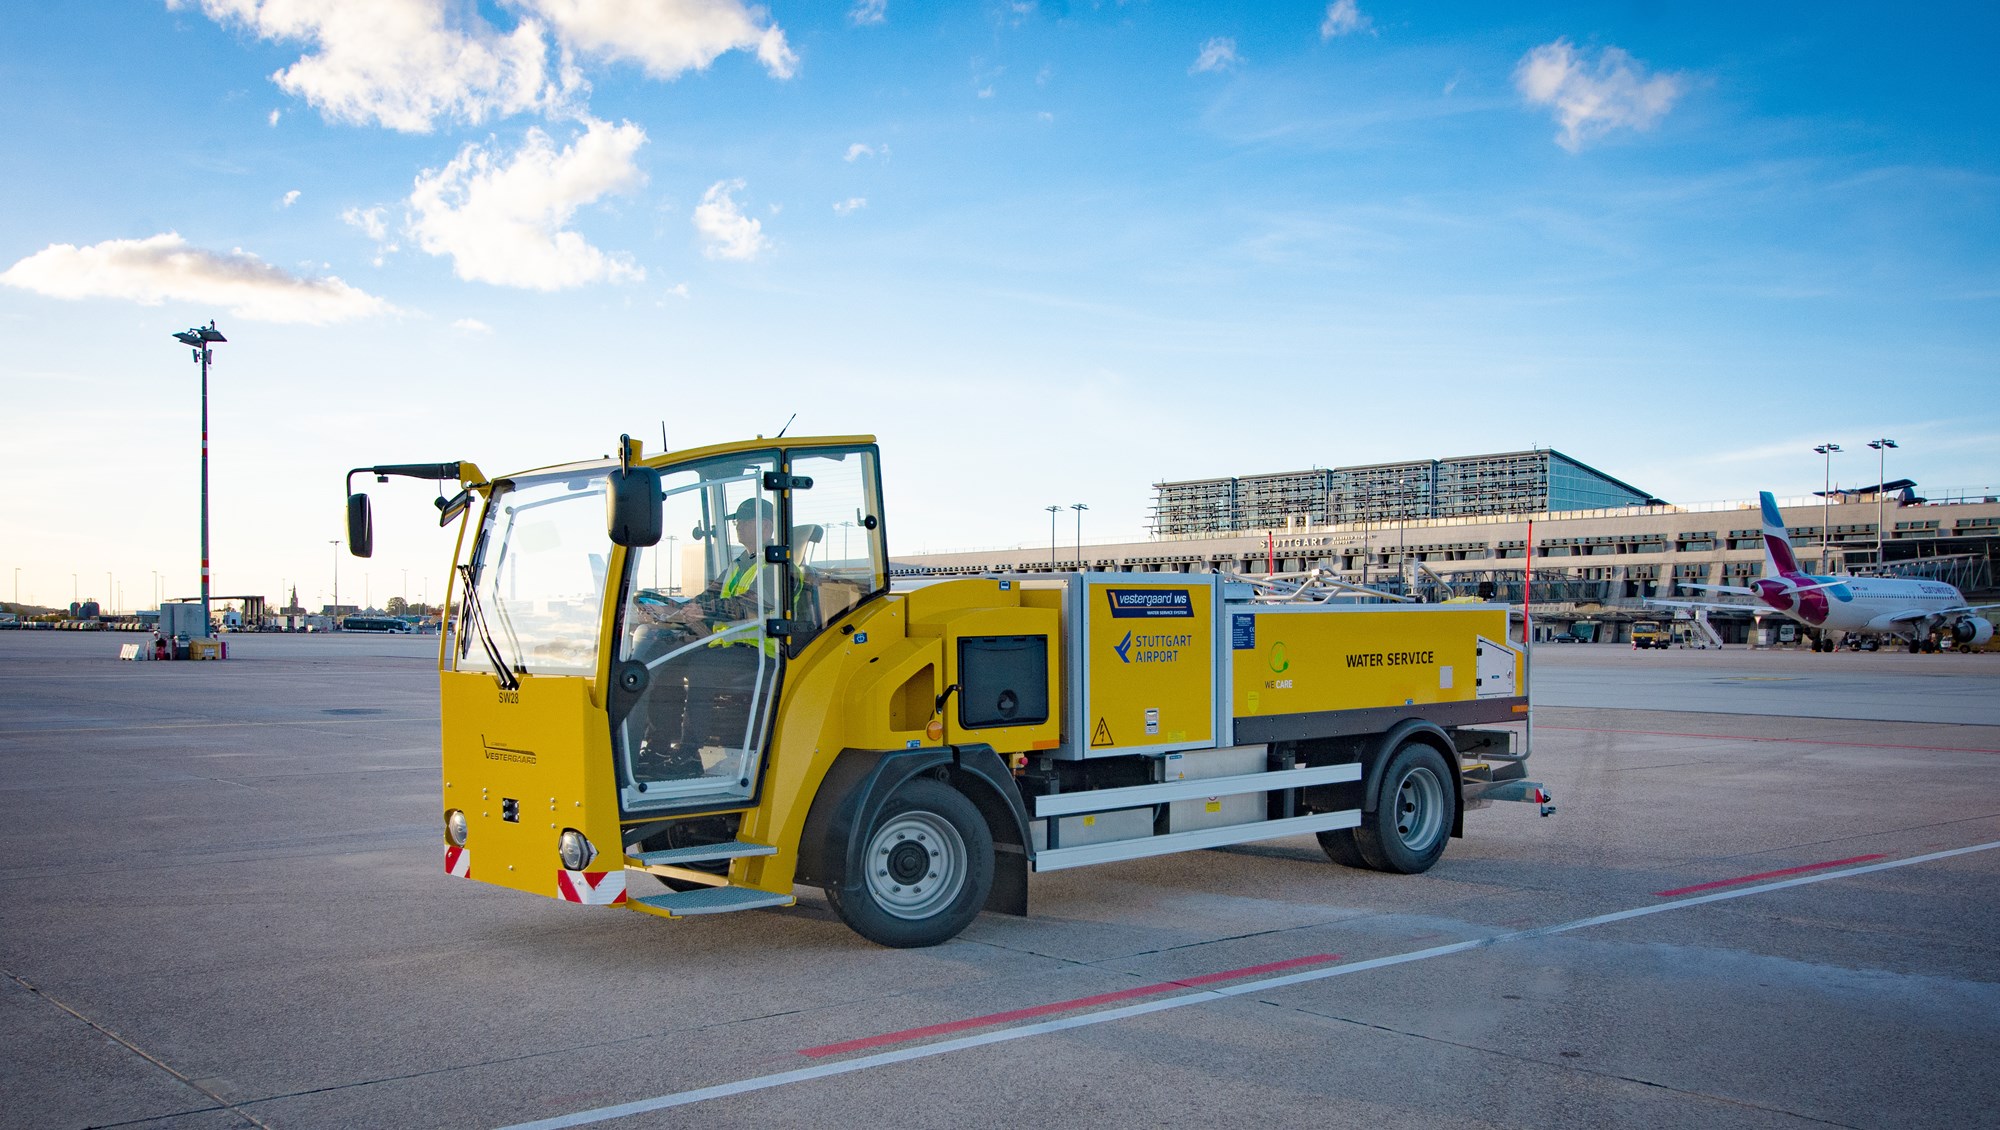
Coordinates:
594	888
457	861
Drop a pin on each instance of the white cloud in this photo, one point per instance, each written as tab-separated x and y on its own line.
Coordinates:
1343	17
1590	102
1218	54
504	220
678	290
164	268
850	205
401	63
868	12
273	119
290	199
668	37
374	224
857	151
370	221
472	326
726	232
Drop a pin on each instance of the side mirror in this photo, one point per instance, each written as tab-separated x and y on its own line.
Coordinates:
451	508
360	526
632	506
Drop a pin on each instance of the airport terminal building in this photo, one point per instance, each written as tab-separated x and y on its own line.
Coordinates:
1512	482
1439	528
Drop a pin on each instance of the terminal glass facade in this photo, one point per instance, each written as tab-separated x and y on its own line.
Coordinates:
1516	482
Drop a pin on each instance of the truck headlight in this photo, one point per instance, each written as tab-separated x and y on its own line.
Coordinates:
575	850
454	827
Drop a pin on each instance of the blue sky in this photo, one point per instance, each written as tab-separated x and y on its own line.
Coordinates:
1048	253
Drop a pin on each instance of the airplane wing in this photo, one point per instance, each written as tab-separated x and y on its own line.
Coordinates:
1944	613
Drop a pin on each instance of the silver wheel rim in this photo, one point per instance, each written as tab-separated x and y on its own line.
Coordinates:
1419	808
917	864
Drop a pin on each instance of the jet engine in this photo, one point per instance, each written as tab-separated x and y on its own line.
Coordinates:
1972	631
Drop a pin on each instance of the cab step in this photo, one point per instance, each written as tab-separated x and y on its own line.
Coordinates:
700	853
708	900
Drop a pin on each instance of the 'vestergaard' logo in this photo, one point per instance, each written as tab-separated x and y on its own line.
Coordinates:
498	752
1150	602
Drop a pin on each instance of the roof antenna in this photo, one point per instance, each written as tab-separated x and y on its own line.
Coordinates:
787	427
663	437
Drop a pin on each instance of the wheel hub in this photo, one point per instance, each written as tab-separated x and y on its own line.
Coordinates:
1419	808
917	865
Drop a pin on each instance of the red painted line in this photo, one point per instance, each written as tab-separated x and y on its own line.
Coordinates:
1767	875
1747	738
1011	1015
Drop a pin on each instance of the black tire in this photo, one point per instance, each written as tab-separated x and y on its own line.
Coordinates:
1414	812
1340	847
927	836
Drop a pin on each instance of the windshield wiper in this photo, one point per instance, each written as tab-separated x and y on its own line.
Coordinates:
475	616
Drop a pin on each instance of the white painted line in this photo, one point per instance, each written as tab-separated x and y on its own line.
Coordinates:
926	1051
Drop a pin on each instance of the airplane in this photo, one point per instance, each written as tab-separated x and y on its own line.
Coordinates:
1915	611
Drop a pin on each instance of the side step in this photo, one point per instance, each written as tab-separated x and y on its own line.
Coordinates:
708	900
700	853
719	899
1056	859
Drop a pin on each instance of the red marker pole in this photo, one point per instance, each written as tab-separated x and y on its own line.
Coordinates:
1528	639
1527	588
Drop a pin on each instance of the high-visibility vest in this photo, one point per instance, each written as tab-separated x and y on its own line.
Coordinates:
742	574
736	582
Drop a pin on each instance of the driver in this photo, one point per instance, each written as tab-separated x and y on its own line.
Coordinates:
704	696
732	597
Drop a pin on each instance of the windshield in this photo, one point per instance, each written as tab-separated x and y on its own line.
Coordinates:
538	576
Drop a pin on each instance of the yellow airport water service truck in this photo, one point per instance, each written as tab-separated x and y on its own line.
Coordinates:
686	684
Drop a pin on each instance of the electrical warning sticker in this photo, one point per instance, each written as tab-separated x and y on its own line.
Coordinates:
1101	735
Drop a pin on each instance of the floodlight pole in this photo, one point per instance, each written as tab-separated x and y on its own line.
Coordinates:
1881	455
1826	508
1079	508
200	338
1053	511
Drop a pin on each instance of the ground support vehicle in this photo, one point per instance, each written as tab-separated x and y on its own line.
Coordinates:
685	685
1651	633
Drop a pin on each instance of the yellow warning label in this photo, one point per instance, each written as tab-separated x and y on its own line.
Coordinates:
1101	735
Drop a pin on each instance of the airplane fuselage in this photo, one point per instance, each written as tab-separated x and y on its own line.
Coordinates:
1857	604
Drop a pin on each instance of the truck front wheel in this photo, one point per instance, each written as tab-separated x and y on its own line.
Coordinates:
928	867
1413	814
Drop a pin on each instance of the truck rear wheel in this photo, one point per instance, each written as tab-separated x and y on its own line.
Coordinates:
1340	847
929	868
1414	813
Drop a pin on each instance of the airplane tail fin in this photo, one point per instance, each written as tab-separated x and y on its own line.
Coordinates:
1779	561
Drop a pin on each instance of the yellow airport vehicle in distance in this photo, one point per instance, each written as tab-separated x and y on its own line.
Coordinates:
1651	633
685	684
